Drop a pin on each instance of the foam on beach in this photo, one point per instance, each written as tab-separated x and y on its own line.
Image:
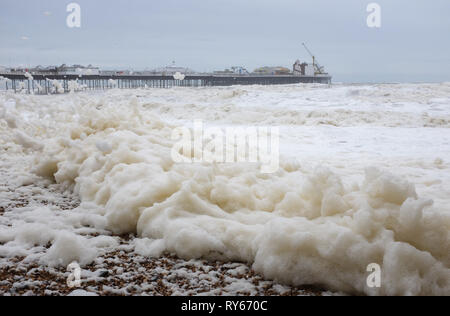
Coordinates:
318	220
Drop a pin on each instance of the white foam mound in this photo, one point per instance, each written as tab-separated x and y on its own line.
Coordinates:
299	226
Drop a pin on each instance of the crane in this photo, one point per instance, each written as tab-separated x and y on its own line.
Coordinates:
319	70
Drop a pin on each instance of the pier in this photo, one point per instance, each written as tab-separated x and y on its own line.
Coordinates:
48	84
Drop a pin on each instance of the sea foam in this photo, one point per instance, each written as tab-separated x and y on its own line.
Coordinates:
301	225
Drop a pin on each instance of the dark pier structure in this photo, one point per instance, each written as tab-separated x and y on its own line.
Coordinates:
45	84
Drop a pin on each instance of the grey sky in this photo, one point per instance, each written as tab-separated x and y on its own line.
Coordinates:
412	44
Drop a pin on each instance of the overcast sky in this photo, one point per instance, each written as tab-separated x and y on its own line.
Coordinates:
412	44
